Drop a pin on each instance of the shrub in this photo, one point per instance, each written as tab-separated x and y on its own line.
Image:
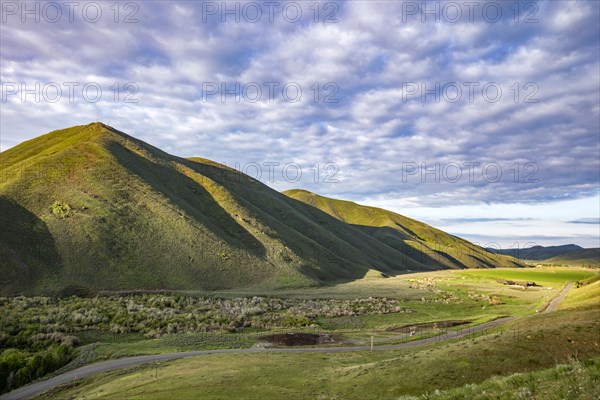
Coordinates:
61	210
75	290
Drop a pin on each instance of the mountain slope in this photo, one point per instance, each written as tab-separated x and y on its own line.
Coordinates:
583	257
91	207
423	243
537	252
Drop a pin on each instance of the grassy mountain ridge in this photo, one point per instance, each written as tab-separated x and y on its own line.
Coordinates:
424	243
537	252
582	257
90	206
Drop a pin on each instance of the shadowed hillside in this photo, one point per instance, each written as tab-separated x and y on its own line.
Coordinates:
423	243
93	208
538	252
583	257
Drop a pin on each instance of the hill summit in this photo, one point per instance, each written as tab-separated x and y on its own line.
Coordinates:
93	208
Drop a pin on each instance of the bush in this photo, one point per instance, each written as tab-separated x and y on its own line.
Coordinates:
75	290
18	367
61	210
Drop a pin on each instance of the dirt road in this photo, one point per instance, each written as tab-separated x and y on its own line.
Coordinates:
555	301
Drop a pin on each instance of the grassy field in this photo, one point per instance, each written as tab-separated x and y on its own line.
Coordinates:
420	302
471	296
574	380
584	296
547	276
532	343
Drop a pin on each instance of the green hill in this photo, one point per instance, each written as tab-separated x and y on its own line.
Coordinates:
91	208
537	252
420	242
583	257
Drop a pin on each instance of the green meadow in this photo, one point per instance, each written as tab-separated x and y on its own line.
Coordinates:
380	309
531	348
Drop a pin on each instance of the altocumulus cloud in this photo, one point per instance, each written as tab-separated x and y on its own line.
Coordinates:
368	113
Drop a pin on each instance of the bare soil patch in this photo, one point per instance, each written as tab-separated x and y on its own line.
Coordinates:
301	339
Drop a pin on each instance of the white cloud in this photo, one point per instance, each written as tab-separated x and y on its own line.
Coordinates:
372	129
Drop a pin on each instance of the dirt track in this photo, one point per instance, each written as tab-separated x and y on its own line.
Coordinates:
555	301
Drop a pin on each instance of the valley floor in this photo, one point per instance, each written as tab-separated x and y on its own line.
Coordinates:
531	340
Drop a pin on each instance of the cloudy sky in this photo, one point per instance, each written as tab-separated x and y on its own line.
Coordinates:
481	118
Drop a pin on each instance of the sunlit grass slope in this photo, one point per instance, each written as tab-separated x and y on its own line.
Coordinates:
91	207
587	295
535	343
423	243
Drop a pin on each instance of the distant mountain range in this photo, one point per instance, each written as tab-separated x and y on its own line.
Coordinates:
584	257
92	208
566	254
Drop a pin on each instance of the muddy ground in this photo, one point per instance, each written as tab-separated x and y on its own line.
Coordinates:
301	339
